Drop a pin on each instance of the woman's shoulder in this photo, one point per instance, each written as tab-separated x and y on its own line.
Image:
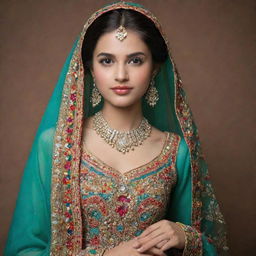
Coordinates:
173	141
179	141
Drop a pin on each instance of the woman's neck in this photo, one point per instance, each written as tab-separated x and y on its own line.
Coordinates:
123	119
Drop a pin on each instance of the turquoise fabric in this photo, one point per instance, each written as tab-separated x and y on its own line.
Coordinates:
31	224
182	198
30	232
31	221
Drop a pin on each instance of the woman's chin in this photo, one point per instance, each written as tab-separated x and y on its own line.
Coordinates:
123	103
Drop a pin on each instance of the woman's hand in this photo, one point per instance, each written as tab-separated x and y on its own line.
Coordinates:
127	249
163	234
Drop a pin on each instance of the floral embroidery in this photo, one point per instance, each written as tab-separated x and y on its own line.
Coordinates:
66	222
193	243
126	203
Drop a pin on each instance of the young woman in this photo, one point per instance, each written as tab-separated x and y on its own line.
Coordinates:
116	167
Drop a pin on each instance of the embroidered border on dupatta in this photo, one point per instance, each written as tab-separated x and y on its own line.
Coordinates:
66	236
65	197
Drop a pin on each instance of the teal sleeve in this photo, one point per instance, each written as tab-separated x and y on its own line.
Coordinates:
30	231
181	205
29	234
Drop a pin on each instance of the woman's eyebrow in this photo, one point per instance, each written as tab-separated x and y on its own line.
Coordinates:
112	55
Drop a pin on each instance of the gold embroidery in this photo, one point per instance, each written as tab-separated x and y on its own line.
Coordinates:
117	207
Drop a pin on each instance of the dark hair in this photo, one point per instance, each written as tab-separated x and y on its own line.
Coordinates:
132	20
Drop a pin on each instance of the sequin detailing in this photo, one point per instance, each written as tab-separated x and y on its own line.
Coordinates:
193	242
118	207
66	222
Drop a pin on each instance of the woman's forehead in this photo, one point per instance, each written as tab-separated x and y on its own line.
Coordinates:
109	43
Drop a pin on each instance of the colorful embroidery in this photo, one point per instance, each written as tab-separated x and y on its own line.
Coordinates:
65	194
193	243
117	207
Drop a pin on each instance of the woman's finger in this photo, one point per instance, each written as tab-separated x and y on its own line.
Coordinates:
156	252
169	244
142	240
150	229
161	244
147	244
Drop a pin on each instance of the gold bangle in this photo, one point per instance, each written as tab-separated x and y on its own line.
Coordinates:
184	228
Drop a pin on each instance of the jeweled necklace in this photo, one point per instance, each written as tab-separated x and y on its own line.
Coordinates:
121	141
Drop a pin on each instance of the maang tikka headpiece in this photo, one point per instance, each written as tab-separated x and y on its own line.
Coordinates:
121	32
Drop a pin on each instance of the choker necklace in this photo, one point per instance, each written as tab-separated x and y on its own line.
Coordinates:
121	141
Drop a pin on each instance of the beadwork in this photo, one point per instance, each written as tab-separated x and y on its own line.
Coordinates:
121	141
117	207
121	33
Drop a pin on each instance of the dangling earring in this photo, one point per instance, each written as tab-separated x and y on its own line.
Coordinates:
152	95
96	96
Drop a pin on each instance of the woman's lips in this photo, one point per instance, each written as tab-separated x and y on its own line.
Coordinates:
121	90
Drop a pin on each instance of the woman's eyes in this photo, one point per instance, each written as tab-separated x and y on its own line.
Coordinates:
106	61
136	61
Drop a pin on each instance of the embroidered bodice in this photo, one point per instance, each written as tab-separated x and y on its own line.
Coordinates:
117	207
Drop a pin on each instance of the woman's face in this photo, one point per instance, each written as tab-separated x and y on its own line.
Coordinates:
122	69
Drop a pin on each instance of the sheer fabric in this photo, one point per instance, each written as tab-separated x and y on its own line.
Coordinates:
47	219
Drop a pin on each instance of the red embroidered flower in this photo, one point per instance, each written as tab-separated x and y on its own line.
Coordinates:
73	97
72	107
95	241
122	210
66	181
69	140
67	215
67	199
69	130
124	199
67	165
69	244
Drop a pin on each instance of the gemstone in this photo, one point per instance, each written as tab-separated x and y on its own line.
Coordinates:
94	231
120	228
145	216
70	79
92	251
122	188
122	210
124	199
70	231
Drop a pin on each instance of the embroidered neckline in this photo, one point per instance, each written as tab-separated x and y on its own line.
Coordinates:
97	162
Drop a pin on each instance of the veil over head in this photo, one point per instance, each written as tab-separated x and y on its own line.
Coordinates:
61	128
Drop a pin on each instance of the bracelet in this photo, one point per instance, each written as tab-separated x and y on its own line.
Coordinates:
184	228
193	240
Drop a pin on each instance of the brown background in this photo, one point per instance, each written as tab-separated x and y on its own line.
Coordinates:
214	46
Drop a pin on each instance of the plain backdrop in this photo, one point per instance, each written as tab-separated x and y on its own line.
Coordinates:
213	43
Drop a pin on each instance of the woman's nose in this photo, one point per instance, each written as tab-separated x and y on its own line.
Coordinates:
121	73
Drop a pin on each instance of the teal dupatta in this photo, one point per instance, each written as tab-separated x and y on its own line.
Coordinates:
47	218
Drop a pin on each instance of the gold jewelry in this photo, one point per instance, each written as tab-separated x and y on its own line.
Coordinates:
152	95
121	141
96	96
121	33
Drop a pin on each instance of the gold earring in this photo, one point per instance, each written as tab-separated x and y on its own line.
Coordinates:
152	95
96	96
